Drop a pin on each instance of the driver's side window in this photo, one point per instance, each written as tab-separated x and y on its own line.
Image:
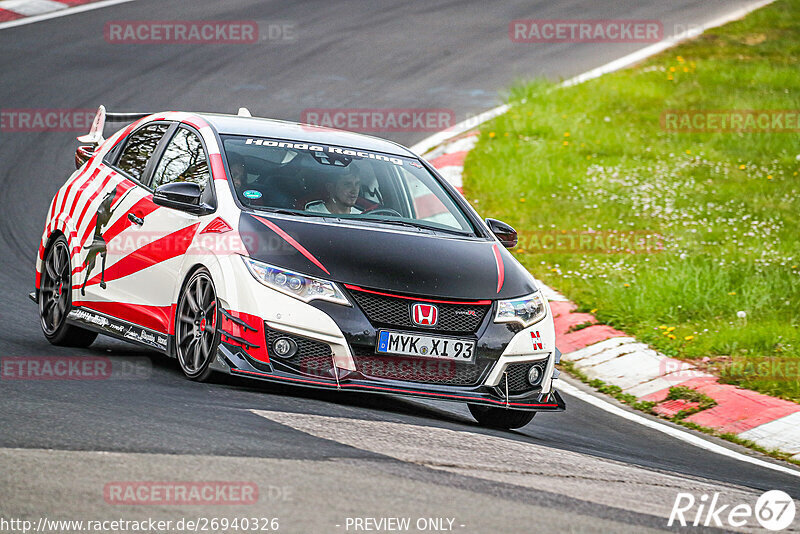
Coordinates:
183	160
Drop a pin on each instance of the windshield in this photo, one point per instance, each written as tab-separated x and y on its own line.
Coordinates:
330	181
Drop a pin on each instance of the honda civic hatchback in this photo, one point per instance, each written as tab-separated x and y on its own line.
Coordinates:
295	254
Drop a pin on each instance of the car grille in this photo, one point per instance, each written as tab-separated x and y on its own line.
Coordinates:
427	370
385	310
312	358
518	376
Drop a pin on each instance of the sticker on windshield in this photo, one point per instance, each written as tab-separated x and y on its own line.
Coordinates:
325	149
252	194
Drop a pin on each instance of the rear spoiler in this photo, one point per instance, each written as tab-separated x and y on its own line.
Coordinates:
95	135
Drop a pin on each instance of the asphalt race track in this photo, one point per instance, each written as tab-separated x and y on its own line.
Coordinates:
318	458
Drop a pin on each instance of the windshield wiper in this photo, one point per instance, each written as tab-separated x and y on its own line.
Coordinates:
391	221
416	225
287	211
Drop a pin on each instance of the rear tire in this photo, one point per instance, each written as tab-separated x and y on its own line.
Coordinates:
196	327
55	299
502	418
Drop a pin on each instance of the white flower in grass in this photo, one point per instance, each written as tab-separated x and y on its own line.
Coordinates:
741	314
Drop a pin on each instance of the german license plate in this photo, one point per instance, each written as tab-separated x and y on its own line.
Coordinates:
444	348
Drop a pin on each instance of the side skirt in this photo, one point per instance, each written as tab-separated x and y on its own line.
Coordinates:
114	327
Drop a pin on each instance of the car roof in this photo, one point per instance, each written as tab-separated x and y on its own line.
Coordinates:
294	131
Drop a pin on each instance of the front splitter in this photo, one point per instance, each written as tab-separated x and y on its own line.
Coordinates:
235	364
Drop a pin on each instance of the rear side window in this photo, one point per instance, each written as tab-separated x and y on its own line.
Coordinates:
140	148
184	160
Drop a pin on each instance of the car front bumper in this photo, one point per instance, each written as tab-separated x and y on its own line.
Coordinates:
233	361
336	350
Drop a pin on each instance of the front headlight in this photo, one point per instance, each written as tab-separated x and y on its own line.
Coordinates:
524	310
299	286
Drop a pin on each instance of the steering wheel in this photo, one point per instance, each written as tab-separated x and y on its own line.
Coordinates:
383	211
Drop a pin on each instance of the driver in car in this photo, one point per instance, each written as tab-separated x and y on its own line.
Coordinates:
343	191
251	192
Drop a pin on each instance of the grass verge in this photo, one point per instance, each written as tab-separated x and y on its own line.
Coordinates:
688	241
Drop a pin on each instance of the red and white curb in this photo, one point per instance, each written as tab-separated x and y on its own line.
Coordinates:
604	353
19	12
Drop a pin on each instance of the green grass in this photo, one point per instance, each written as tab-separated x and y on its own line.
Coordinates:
704	401
724	208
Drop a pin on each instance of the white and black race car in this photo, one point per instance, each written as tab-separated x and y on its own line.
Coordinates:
291	253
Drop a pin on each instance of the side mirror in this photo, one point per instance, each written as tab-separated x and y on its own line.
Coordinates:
184	196
506	234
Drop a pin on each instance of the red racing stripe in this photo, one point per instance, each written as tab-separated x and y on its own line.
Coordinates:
59	199
122	188
142	208
79	223
217	167
169	246
83	174
462	302
195	121
127	131
289	239
501	272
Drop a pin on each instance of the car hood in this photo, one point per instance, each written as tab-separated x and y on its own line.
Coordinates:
394	261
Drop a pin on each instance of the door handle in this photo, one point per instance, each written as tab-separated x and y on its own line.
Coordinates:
135	220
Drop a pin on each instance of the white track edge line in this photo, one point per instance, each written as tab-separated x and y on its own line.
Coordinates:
60	13
692	439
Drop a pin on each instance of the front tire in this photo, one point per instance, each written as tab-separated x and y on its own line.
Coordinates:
55	299
196	327
502	418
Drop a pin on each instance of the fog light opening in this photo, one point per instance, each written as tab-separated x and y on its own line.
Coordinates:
284	347
534	375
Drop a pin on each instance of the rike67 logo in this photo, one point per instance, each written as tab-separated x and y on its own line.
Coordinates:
774	510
